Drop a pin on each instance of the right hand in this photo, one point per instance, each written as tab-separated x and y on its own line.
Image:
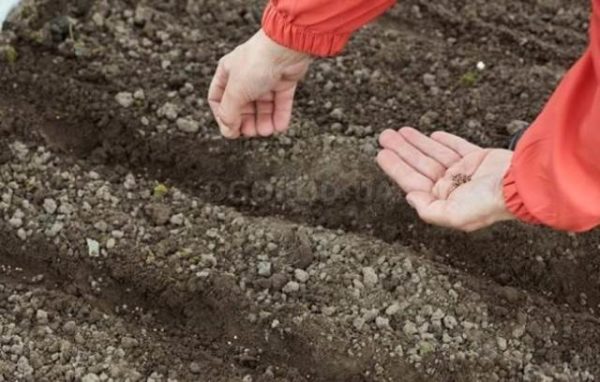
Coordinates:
449	181
252	92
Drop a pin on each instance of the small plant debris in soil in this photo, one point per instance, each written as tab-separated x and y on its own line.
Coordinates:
8	54
469	79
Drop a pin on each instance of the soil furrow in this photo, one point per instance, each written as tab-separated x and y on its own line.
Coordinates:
337	187
201	297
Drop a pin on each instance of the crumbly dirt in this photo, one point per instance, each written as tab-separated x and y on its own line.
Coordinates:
138	245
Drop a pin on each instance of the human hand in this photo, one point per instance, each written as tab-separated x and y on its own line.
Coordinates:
449	181
252	92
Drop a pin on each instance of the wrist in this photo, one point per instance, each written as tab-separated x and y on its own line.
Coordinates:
503	213
281	56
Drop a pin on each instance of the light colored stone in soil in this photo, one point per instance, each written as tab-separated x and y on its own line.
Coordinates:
15	222
301	275
382	322
370	278
23	366
54	229
358	323
177	219
188	125
392	309
91	377
50	206
502	343
450	322
70	327
264	268
41	316
93	248
291	287
410	328
139	94
125	99
168	111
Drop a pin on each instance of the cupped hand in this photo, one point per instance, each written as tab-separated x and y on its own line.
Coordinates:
252	92
449	181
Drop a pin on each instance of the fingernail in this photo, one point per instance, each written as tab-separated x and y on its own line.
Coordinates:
226	131
410	202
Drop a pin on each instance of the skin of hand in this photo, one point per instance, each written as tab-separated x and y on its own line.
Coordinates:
252	91
429	171
5	7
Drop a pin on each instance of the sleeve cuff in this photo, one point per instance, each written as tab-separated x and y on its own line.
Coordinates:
299	38
514	202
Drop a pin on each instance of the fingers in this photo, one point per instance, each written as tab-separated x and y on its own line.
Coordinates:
218	93
225	131
455	176
217	87
231	106
237	115
215	95
249	125
420	161
402	173
264	115
273	112
234	113
434	149
455	143
282	114
444	187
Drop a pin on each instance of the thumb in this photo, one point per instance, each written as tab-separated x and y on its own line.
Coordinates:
230	110
420	200
429	209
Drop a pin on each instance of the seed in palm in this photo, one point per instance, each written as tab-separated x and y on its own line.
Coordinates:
460	179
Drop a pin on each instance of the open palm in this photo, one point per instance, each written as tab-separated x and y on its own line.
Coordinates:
449	181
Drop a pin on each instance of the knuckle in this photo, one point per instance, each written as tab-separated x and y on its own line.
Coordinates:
438	171
407	132
437	134
385	135
430	167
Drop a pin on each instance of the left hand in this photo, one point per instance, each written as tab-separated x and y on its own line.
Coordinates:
449	181
252	91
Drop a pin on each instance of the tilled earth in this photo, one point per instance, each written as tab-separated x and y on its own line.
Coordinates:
137	245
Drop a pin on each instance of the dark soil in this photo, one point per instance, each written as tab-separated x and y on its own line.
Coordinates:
321	177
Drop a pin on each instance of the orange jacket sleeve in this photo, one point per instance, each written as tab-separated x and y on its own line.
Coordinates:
319	27
554	178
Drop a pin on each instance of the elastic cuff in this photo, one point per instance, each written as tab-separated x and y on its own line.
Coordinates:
513	200
301	39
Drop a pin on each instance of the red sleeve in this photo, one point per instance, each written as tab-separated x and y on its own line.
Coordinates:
319	27
554	178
